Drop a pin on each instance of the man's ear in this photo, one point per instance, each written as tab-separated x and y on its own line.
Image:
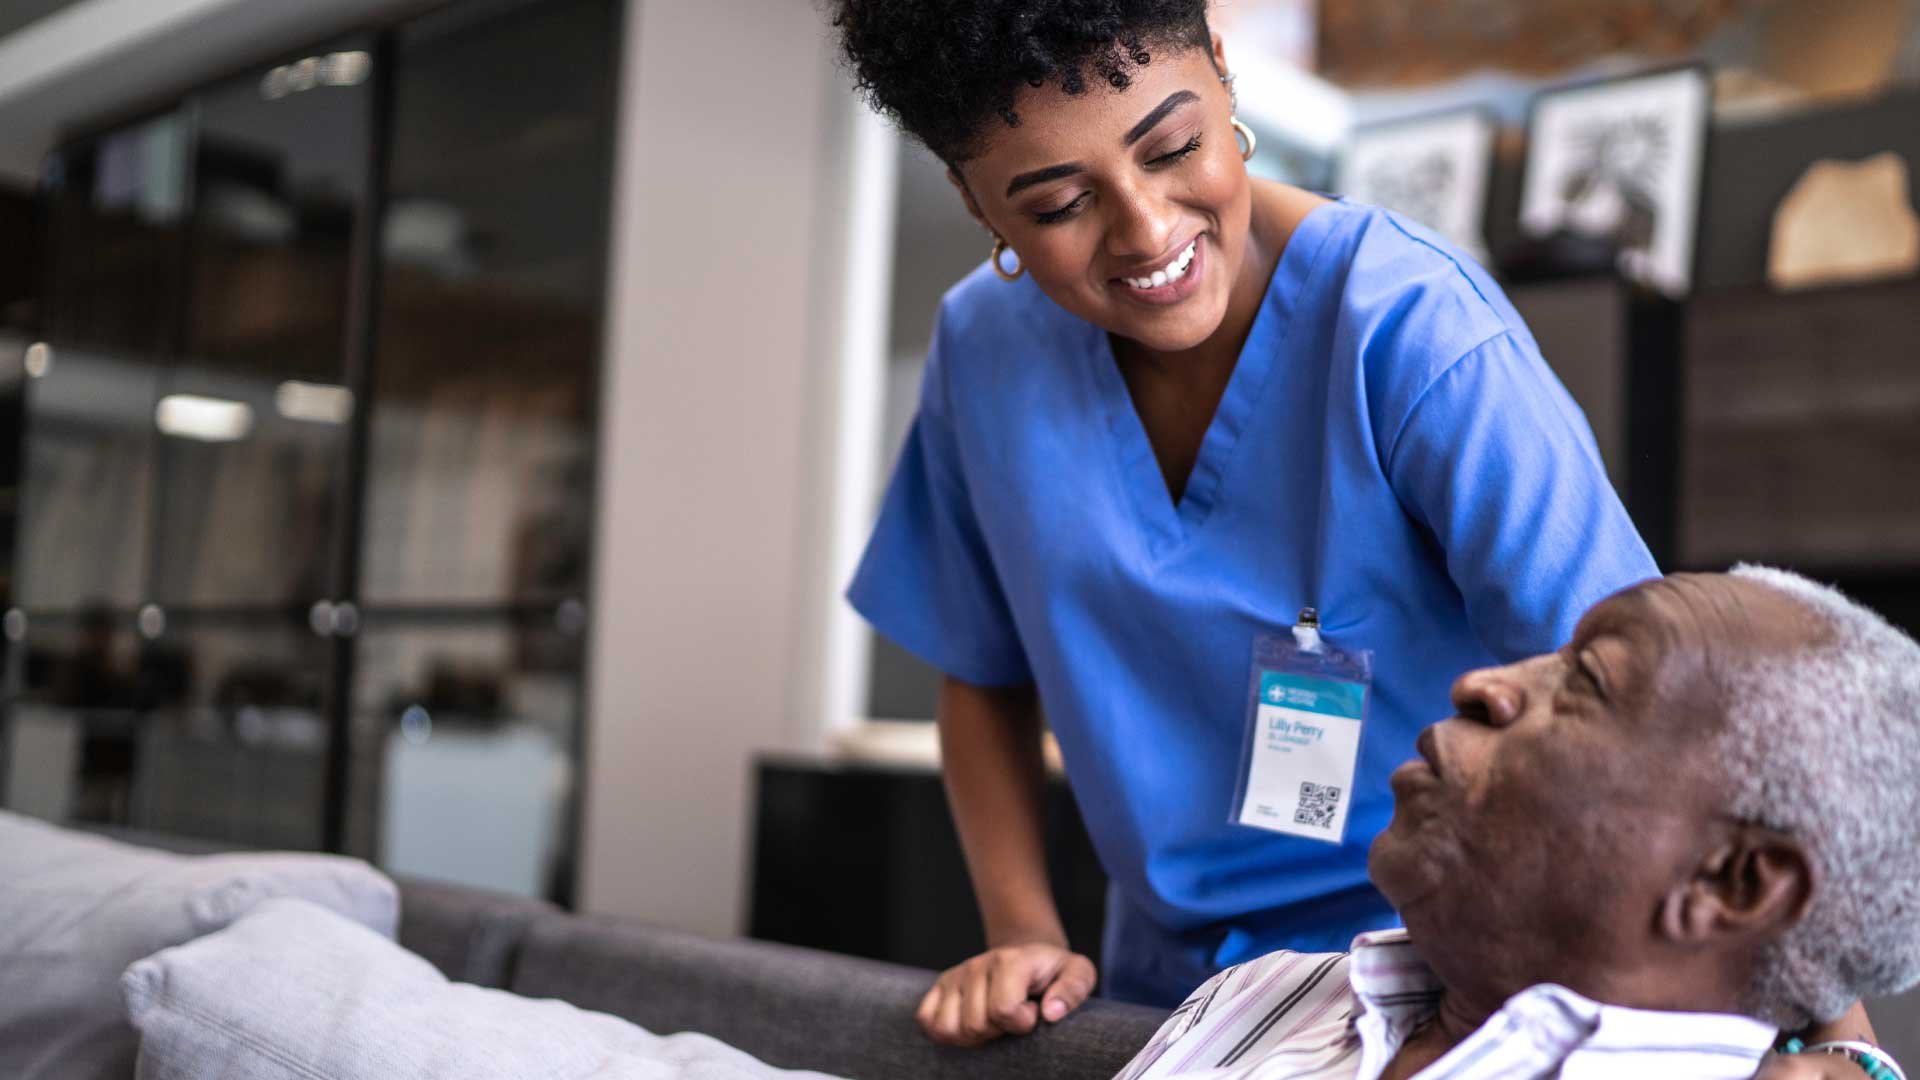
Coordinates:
966	196
1753	882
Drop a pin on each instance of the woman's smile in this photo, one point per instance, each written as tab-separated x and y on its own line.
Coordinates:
1170	281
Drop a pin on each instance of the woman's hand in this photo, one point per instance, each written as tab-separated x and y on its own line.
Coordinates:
1005	991
1809	1067
1850	1026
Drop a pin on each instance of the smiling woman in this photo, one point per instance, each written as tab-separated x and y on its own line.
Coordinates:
1134	274
1177	407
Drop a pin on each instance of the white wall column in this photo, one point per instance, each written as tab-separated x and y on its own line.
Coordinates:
732	161
854	294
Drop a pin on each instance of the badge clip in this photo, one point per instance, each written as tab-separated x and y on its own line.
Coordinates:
1306	631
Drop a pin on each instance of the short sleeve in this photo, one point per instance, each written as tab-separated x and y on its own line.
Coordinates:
1497	462
927	580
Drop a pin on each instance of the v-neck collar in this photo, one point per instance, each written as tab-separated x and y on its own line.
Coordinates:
1168	523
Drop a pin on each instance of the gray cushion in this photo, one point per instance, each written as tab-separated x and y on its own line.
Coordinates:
799	1008
294	992
75	910
471	935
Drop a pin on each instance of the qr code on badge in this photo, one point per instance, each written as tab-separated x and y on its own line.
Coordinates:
1317	804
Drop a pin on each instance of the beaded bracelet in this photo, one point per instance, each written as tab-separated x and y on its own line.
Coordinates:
1871	1059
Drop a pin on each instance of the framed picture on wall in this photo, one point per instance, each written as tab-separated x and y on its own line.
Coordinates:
1619	163
1433	169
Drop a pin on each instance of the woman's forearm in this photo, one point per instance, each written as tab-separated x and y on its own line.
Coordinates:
996	784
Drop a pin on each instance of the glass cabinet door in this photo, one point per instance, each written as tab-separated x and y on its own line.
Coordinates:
255	415
187	432
116	214
486	371
194	653
480	446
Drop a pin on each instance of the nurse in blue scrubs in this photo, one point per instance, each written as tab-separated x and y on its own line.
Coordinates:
1178	405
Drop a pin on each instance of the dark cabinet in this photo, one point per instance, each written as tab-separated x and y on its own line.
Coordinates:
1746	425
1802	437
864	860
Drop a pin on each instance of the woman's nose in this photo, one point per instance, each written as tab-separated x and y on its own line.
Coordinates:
1139	224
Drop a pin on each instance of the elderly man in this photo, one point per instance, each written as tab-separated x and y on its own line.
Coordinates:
1644	855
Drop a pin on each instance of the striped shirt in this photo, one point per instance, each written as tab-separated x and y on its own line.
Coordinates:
1343	1016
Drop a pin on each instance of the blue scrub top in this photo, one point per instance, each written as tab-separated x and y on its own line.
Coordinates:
1391	449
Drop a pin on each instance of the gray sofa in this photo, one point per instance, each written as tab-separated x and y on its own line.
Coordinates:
791	1007
796	1008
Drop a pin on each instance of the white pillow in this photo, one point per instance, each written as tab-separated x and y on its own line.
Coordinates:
294	992
76	909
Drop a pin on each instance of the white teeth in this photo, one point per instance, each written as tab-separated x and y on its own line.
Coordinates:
1174	271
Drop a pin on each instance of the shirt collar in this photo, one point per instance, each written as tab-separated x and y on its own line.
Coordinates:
1396	990
1387	973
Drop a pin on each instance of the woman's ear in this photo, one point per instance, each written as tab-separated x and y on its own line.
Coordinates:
1219	54
966	196
1753	882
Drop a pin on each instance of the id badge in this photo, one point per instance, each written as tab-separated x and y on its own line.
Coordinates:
1307	704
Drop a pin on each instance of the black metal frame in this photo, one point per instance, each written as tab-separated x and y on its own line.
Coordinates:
1655	382
363	312
13	415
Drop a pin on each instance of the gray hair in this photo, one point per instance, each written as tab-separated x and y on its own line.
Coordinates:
1824	745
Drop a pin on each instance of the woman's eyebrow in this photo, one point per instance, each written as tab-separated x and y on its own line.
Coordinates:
1159	113
1041	176
1139	131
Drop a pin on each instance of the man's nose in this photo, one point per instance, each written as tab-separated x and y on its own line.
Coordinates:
1492	696
1139	223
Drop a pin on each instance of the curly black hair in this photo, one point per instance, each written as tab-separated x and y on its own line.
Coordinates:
944	68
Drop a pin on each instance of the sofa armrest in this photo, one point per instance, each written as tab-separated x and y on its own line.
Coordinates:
471	935
800	1008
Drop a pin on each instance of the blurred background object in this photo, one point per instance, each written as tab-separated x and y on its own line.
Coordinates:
1846	222
441	431
1616	165
308	449
1434	169
1410	43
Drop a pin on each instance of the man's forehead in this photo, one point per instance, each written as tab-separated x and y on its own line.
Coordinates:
1637	608
1704	613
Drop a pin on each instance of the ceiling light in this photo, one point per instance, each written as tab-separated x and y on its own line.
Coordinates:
204	419
319	403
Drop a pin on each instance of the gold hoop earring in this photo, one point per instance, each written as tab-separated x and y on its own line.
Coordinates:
1000	248
1242	131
